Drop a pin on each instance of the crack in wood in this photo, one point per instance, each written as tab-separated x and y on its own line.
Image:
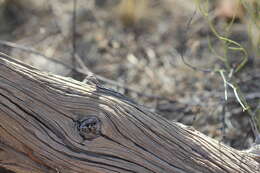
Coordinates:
44	117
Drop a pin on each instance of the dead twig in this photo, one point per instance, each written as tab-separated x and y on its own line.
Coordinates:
182	52
81	70
74	23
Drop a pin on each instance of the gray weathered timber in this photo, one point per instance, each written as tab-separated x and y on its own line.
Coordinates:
52	124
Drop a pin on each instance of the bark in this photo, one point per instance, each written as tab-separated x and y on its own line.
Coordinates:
54	124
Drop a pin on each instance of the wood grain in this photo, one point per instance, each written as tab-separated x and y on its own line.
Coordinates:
39	131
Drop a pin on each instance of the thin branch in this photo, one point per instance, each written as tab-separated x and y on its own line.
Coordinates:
225	84
82	64
244	105
182	51
80	70
33	51
74	20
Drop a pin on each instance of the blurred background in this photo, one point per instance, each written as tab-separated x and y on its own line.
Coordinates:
171	56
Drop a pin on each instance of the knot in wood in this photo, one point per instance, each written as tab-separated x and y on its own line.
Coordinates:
89	127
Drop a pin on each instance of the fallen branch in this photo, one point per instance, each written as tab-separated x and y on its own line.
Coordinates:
54	124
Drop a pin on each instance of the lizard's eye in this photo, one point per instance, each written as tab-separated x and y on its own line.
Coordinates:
89	127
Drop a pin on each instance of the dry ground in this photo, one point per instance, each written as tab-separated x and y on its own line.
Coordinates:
141	49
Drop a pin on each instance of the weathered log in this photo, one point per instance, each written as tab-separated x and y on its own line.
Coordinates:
54	124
